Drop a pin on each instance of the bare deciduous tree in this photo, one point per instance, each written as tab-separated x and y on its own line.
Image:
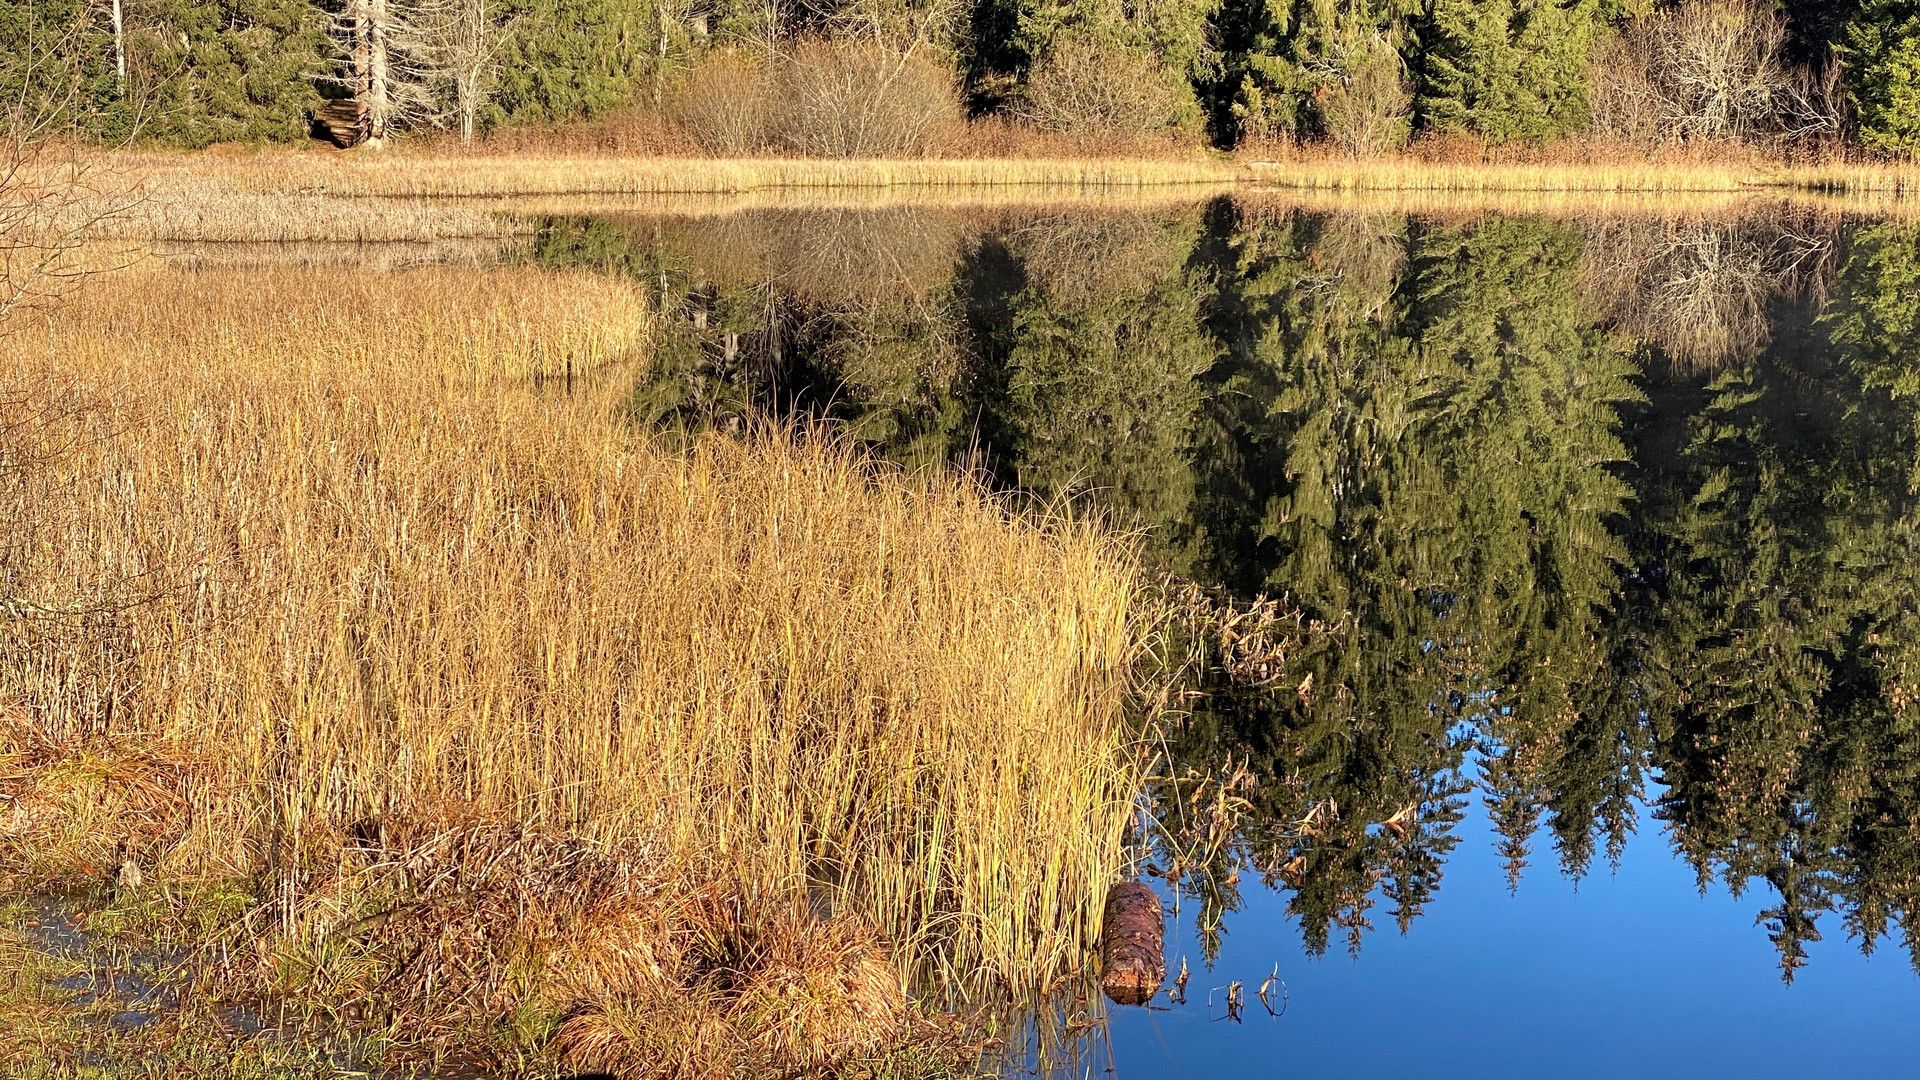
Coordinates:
470	35
823	98
55	197
906	24
1713	70
1083	84
392	62
421	62
1366	106
863	99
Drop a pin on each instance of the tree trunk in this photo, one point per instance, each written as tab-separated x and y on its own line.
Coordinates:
468	89
379	99
360	21
119	49
1132	959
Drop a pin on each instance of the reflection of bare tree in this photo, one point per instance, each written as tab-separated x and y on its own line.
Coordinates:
1083	256
1699	288
797	310
832	256
1358	261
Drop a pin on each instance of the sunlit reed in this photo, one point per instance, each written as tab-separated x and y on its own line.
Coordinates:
378	566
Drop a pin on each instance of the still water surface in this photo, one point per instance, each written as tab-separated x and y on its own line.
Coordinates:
1588	741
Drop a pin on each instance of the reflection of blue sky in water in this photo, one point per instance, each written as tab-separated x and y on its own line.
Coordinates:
1630	974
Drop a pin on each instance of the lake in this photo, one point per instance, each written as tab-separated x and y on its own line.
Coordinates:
1579	733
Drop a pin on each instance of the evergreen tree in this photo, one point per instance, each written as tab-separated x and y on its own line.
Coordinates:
197	73
574	58
1508	69
1288	64
1884	48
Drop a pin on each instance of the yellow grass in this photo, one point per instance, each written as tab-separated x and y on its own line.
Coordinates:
1578	169
441	175
426	194
1410	174
429	326
386	575
1884	178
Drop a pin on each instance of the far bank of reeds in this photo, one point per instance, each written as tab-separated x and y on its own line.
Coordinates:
357	604
404	195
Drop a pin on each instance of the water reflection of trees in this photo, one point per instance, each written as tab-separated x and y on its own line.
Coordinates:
1699	288
1548	509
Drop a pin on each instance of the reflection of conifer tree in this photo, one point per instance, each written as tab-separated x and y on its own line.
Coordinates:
1098	362
1442	497
1784	730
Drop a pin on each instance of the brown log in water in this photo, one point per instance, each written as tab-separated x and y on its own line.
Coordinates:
1132	960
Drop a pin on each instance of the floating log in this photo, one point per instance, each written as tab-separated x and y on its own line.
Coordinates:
1133	962
344	122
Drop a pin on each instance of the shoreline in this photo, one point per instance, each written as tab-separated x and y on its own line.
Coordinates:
270	196
480	175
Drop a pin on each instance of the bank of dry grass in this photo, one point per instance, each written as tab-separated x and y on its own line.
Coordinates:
1576	167
414	175
522	731
429	193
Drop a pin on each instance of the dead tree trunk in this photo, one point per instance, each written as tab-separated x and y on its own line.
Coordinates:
119	50
379	99
1133	962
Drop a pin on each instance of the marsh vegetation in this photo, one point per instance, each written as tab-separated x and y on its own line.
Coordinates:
415	682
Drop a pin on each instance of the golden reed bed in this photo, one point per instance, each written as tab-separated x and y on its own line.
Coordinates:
322	196
329	590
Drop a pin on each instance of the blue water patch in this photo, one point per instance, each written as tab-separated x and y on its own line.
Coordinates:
1626	974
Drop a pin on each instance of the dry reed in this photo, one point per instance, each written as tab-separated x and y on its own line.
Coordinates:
401	175
369	576
424	194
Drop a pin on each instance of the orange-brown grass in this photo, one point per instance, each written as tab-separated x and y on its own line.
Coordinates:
641	131
403	621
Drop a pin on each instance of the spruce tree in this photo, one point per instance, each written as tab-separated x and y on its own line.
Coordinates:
197	73
1508	69
1884	48
574	58
1286	64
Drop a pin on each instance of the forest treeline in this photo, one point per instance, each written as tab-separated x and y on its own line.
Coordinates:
861	77
1565	517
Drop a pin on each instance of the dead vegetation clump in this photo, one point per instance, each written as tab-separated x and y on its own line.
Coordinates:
628	962
73	811
1249	643
821	98
782	992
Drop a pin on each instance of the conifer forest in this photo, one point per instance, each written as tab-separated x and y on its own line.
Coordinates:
1361	75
